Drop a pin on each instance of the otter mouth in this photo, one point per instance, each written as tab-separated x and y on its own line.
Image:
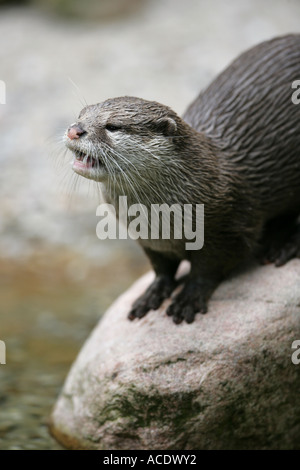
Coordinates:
82	160
87	166
83	163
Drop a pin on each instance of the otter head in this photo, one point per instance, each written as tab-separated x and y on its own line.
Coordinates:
122	136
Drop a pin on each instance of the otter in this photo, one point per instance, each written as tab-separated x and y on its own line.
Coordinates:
236	150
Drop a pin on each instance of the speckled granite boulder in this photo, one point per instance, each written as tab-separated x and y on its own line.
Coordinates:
225	381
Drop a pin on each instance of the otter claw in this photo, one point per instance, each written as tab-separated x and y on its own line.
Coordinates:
160	289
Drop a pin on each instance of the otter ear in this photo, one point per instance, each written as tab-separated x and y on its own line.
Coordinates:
167	126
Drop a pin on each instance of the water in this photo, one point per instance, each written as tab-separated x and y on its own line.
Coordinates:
46	314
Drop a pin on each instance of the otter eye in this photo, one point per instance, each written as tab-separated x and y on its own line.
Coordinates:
112	127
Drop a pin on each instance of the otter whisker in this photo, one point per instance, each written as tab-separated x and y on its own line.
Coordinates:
132	186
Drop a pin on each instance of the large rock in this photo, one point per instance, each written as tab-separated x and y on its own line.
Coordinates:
225	381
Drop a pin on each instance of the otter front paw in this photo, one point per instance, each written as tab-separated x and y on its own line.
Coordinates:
160	289
283	250
191	300
281	241
289	251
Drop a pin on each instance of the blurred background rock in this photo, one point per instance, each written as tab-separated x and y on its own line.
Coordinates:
57	278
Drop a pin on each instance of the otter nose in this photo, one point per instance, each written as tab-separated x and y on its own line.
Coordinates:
75	131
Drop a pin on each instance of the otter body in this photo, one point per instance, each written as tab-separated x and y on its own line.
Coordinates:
236	150
248	112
